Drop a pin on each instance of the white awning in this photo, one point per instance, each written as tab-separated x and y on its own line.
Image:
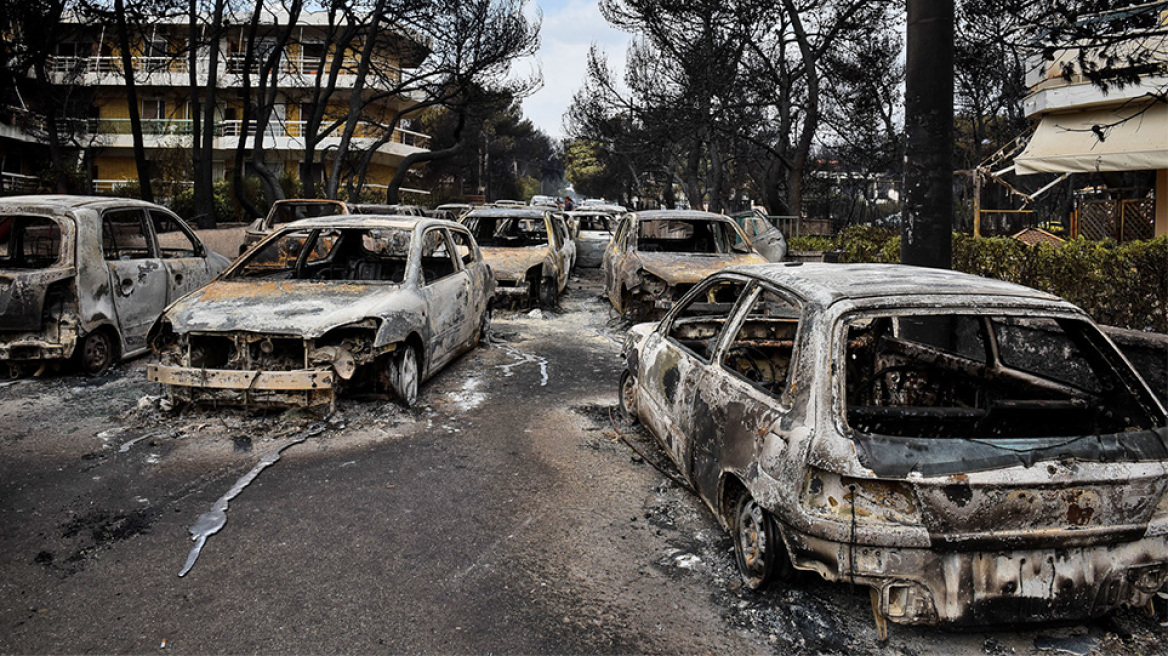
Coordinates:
1070	143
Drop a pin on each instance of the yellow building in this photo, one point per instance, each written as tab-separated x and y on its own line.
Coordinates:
89	58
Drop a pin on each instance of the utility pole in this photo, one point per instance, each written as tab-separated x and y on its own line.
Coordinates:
927	228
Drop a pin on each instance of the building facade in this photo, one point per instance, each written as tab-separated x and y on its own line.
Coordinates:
311	71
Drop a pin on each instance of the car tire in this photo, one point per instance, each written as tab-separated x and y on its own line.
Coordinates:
97	353
404	376
627	396
547	293
759	550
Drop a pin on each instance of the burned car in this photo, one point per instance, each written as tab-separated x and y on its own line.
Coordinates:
592	232
530	251
766	238
973	451
364	303
83	277
287	211
657	256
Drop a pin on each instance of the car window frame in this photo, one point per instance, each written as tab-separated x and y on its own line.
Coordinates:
200	248
457	261
730	330
144	222
474	254
665	326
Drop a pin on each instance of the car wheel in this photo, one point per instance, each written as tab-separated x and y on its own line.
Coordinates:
760	552
628	396
485	327
547	293
97	353
403	375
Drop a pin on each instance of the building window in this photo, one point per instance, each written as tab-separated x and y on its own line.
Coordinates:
154	108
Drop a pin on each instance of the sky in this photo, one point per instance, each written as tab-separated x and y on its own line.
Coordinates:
570	27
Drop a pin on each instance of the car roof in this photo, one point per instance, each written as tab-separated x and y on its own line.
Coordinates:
653	215
509	212
371	221
825	284
64	203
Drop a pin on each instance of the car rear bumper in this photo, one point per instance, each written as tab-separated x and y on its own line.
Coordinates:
942	586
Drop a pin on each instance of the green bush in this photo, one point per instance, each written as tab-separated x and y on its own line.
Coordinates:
1117	284
183	203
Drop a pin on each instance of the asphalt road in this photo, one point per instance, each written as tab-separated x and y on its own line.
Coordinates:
502	515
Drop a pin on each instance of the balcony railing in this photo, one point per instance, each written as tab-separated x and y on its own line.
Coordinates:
178	64
76	65
235	128
18	183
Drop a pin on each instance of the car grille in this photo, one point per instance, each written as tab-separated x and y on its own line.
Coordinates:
247	352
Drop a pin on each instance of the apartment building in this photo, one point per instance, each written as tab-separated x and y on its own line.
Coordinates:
1083	127
88	59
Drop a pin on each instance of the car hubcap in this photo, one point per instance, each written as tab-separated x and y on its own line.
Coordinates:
96	353
752	540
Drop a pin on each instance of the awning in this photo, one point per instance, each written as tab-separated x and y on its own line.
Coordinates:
1070	143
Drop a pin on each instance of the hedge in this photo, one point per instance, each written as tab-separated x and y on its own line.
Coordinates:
1117	284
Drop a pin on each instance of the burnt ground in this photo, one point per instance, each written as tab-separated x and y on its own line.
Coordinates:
502	515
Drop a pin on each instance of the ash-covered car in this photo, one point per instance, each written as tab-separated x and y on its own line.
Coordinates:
766	238
83	277
361	303
287	211
530	251
657	256
592	233
973	451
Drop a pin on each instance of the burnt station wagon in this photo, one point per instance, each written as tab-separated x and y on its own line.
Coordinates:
360	302
973	451
84	277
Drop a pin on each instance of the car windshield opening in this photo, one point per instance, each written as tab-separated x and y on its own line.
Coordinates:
988	377
353	255
684	236
508	232
29	242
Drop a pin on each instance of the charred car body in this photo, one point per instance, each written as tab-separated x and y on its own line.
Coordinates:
766	238
655	257
592	232
530	251
358	302
86	276
974	451
287	211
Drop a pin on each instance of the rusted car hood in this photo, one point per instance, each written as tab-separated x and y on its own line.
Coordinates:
513	263
286	307
676	268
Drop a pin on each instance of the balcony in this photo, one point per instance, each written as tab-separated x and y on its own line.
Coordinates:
1059	84
295	72
280	135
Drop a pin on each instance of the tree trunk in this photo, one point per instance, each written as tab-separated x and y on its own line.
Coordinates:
927	229
143	165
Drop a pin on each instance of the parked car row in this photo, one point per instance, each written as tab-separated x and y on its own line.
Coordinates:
971	450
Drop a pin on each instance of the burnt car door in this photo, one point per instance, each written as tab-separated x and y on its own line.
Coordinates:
613	257
183	255
675	358
446	289
744	392
138	280
478	278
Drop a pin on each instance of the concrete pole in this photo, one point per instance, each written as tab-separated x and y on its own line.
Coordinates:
927	229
